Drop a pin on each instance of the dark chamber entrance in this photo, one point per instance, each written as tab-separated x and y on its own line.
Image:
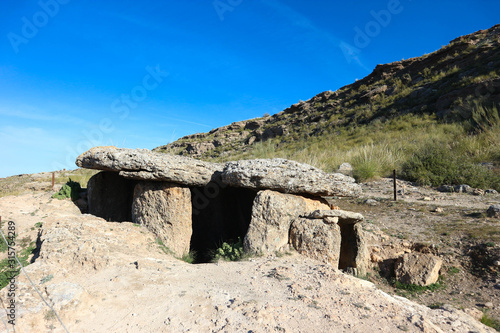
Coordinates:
348	246
219	215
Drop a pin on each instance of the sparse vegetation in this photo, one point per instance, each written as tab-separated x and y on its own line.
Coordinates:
230	251
10	268
70	190
491	322
413	289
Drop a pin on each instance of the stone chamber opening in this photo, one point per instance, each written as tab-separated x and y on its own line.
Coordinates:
219	215
110	196
348	246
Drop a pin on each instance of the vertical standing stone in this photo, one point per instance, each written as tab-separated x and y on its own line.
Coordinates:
272	214
166	210
316	239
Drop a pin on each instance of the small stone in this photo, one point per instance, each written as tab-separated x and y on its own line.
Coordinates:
491	191
371	202
376	258
427	199
346	169
474	313
488	305
438	210
478	191
497	286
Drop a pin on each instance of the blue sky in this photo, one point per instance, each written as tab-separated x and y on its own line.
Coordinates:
76	74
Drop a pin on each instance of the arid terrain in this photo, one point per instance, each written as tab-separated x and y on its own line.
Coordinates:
113	277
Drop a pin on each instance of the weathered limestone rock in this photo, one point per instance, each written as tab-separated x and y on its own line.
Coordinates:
493	211
343	215
316	240
165	209
345	169
289	177
272	214
143	164
110	196
352	248
418	268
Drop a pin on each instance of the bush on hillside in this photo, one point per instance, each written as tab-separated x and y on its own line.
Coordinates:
438	164
69	190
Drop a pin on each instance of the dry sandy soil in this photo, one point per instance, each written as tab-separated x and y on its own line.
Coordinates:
103	276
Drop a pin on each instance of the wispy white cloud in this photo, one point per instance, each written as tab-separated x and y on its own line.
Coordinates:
28	112
28	137
305	23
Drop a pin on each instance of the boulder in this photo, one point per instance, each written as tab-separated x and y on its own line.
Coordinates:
463	188
418	268
493	211
446	188
316	240
165	209
110	196
143	164
272	214
288	177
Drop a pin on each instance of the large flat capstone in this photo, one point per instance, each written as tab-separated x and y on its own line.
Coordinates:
262	174
143	164
288	176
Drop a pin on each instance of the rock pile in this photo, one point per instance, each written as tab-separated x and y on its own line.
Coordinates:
195	205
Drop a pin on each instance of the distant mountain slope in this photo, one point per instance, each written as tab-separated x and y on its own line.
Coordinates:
458	83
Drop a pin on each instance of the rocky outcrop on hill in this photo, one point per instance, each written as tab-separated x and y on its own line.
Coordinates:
449	83
189	208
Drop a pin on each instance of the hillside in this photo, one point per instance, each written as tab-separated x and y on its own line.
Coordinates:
450	96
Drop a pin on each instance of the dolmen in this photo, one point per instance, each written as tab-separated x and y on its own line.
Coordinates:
193	205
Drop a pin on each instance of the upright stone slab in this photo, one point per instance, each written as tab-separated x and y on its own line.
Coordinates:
110	196
165	209
272	214
316	239
346	249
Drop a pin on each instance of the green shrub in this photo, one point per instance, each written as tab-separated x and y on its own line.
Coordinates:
491	322
7	272
69	190
373	161
230	252
438	164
